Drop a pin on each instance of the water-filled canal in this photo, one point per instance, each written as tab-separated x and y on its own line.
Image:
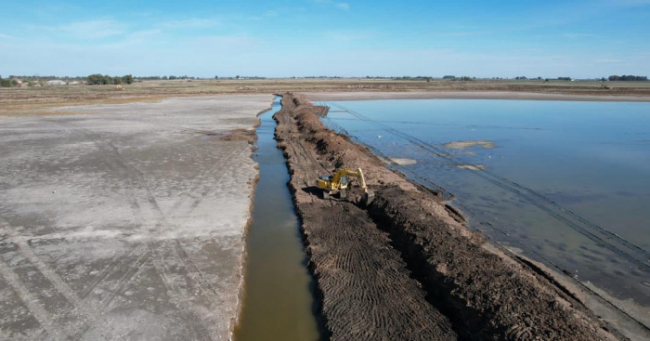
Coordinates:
278	303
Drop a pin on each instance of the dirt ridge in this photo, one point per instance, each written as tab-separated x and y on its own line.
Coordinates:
404	268
365	288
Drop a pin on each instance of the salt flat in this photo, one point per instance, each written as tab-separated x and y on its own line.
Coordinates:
125	221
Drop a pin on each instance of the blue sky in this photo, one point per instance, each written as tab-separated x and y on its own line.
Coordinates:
578	38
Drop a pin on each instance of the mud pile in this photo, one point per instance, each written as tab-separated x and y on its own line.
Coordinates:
405	267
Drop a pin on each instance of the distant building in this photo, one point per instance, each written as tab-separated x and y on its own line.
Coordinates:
56	82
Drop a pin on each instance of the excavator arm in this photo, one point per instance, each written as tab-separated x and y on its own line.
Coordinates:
358	174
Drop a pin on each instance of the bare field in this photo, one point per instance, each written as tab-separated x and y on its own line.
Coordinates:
128	223
35	100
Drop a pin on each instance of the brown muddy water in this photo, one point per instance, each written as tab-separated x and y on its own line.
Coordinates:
278	301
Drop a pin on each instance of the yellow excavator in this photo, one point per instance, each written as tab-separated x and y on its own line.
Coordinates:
340	182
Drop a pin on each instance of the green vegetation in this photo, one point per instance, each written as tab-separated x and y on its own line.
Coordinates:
6	83
98	79
406	78
164	78
628	78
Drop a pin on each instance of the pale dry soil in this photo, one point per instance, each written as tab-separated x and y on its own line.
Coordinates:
125	222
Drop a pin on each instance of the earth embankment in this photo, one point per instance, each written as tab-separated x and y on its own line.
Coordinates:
406	267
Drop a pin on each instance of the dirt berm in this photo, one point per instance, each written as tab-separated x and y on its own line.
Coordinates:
406	267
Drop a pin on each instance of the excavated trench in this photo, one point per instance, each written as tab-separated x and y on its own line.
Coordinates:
405	267
278	303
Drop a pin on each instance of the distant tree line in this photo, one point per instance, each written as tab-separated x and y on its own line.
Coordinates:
150	78
98	79
628	78
7	83
454	78
412	78
330	77
158	78
421	78
37	77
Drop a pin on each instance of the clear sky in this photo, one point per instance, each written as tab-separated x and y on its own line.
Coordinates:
548	38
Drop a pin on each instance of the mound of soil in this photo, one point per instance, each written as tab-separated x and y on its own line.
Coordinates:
365	288
406	267
241	135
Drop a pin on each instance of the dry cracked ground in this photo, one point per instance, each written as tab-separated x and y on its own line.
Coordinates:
125	221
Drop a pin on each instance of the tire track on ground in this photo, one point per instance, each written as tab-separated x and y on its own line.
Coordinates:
367	293
193	314
84	311
110	270
141	200
136	189
35	308
204	189
481	292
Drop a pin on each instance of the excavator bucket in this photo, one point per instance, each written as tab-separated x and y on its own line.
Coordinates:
367	198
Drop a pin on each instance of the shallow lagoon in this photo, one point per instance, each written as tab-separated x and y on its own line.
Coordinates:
568	183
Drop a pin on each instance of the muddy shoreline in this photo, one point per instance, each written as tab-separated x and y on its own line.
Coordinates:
496	95
406	267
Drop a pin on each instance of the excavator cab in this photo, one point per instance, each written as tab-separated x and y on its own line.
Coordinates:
344	182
